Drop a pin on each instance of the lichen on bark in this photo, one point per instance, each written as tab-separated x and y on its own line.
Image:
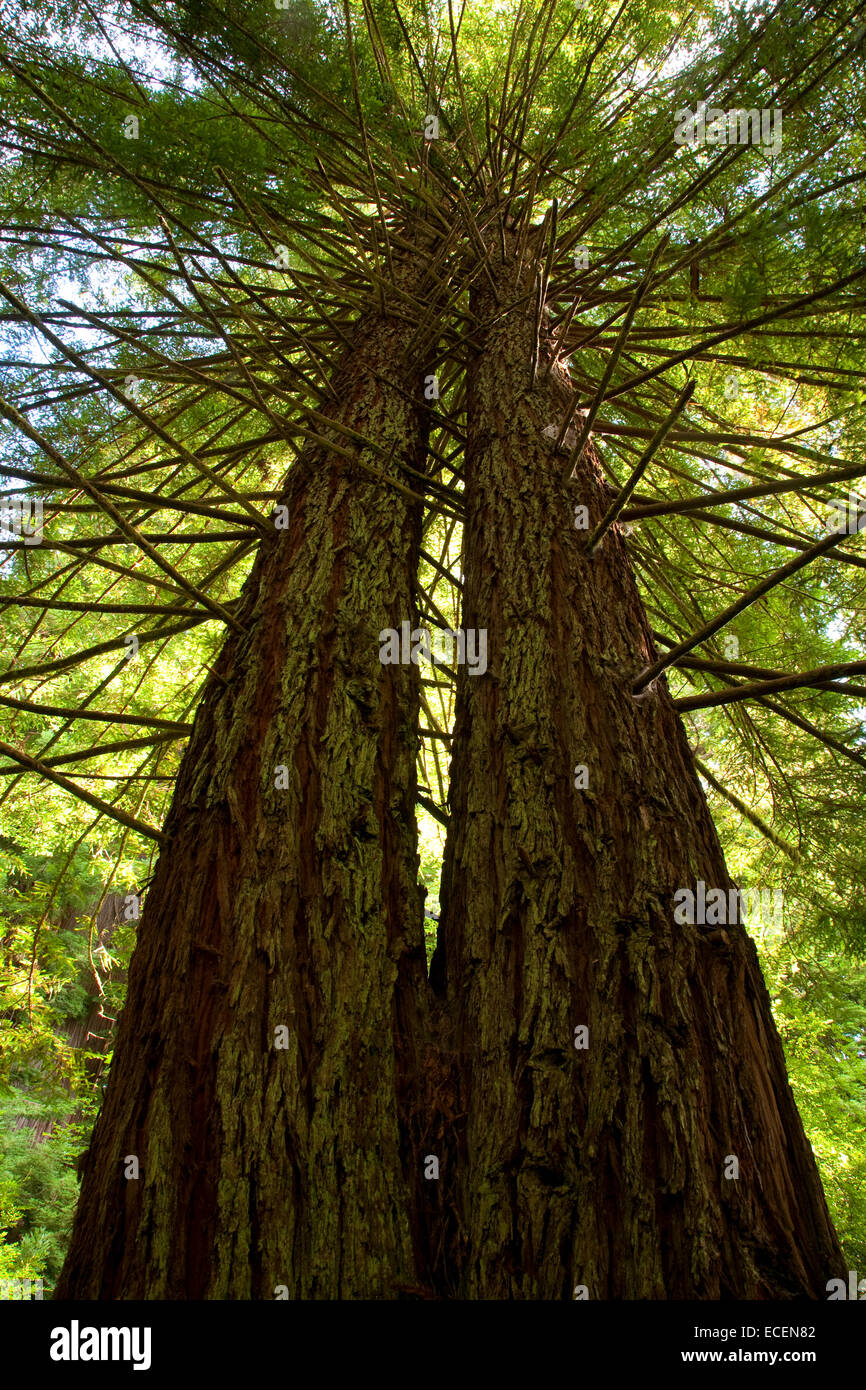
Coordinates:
601	1166
287	895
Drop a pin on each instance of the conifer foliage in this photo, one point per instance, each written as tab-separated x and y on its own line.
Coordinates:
440	413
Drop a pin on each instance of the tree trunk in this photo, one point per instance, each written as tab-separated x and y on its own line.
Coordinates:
607	1166
287	896
94	1031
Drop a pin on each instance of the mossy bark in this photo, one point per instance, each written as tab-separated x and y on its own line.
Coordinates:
294	905
605	1166
291	899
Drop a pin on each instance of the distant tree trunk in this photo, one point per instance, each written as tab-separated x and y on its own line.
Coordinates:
602	1166
286	897
93	1031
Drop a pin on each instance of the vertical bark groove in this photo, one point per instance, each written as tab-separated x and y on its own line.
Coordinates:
601	1167
295	906
298	905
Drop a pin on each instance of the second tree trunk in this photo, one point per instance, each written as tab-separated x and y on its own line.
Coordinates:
658	1154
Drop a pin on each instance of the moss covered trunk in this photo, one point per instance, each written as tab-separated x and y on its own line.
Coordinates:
267	1044
598	1160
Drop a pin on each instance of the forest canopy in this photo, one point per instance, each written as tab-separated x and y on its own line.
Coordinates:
200	203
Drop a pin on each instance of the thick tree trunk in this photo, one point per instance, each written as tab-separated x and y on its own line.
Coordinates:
286	897
607	1167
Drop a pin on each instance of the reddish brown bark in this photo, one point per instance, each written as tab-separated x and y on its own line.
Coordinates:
299	907
604	1167
266	1168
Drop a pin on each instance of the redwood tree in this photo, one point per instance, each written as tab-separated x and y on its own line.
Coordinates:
266	1053
413	316
576	802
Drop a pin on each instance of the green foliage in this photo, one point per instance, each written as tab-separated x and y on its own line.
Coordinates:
38	1192
49	1090
249	139
820	1008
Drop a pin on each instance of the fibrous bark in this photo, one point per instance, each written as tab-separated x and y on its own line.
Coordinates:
604	1168
287	897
